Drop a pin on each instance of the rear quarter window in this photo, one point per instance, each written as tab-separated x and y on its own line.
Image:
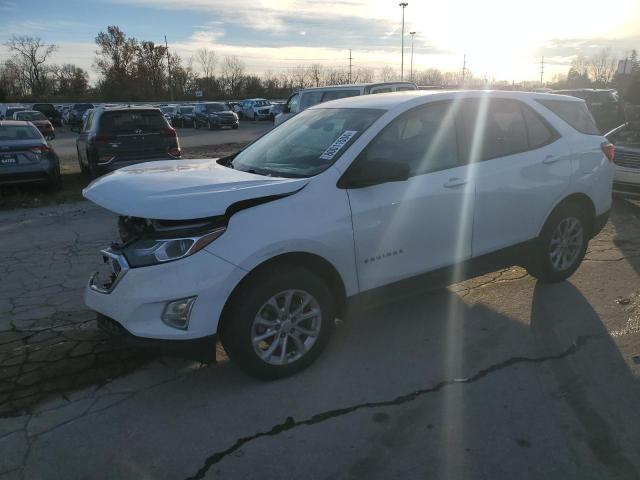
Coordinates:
575	114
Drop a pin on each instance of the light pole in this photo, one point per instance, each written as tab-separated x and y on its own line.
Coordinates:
412	35
403	5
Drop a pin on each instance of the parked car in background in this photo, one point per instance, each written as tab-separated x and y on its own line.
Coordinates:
49	111
9	111
276	109
169	112
235	107
308	97
255	109
604	105
41	122
350	201
626	139
115	137
25	155
184	116
64	114
214	115
77	112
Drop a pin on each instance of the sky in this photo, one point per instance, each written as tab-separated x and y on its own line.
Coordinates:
501	39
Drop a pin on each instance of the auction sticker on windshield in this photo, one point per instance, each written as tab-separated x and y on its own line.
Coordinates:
335	147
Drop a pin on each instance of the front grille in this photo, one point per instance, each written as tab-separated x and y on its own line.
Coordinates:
627	158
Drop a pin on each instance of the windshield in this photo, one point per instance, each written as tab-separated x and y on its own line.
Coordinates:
262	103
308	144
167	109
30	116
215	107
186	110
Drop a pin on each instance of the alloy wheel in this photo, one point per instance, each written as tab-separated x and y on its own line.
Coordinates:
286	327
566	243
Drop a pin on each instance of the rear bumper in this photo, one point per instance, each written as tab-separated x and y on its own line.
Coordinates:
42	172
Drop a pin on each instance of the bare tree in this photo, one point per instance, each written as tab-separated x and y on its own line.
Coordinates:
207	60
602	66
387	74
232	74
430	76
363	74
29	57
316	74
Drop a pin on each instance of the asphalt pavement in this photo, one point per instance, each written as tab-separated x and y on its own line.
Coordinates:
499	377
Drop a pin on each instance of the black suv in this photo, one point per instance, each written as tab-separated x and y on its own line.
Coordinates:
603	105
77	112
49	111
214	115
116	137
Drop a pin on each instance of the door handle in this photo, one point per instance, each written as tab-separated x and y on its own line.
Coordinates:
455	182
549	159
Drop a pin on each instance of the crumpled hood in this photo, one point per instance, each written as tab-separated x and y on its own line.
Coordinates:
182	189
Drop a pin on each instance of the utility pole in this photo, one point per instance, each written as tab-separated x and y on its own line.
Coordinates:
403	5
166	48
541	70
464	67
350	58
412	35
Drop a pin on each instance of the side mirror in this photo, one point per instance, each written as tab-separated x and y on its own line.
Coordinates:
373	172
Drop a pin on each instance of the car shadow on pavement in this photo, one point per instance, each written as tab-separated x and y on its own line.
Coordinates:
597	387
452	384
625	218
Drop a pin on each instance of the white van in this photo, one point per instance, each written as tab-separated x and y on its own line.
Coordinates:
309	97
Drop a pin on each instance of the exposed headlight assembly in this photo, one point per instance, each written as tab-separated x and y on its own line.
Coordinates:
149	251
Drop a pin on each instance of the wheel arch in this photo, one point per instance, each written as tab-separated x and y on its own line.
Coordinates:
580	199
313	262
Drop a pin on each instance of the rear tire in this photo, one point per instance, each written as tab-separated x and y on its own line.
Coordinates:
83	167
559	250
293	311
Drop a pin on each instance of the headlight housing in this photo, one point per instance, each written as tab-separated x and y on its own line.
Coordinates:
153	251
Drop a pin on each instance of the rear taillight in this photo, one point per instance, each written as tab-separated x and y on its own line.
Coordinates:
609	150
41	149
169	132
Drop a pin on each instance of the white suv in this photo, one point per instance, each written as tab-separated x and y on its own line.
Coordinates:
346	203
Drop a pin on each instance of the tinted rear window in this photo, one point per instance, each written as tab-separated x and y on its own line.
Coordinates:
215	107
575	114
45	107
18	132
130	121
336	94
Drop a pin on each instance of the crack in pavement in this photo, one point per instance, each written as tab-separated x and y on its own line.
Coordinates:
290	423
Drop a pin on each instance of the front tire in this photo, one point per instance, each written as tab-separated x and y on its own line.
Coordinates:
559	250
278	322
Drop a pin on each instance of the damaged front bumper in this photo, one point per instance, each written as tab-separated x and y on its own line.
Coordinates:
137	298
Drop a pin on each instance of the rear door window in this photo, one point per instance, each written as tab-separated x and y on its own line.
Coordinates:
494	128
575	114
537	129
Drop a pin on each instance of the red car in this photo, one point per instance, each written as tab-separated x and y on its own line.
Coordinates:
39	120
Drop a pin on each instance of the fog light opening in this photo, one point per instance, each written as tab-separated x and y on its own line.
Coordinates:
176	313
